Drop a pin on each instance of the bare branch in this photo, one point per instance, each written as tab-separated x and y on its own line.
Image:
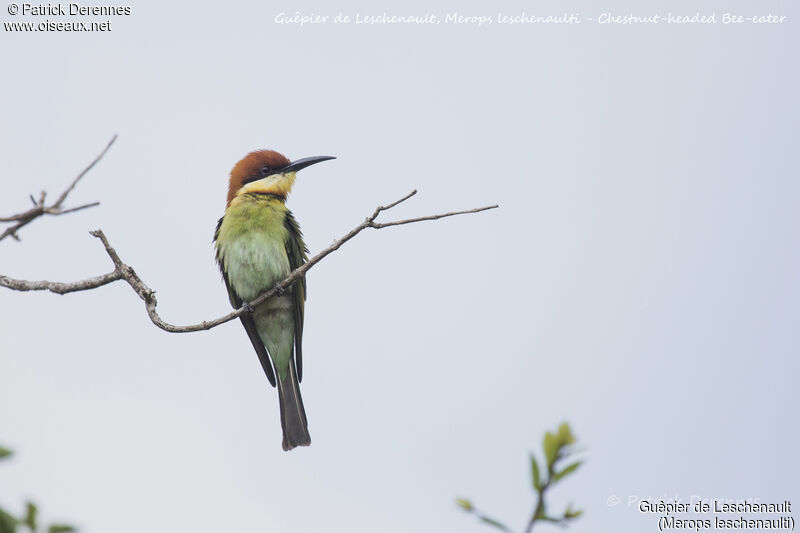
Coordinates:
391	205
12	231
51	211
72	185
27	214
39	208
378	225
59	287
125	272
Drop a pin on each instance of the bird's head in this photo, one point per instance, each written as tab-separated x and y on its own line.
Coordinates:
267	171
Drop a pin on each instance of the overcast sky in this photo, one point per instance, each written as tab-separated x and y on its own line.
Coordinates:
640	279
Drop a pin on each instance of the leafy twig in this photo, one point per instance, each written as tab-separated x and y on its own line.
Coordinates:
10	524
556	448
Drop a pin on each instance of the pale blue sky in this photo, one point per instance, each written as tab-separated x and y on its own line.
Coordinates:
640	279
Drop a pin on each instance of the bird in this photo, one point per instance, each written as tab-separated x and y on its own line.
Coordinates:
257	244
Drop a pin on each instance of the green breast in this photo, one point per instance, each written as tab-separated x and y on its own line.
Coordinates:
251	244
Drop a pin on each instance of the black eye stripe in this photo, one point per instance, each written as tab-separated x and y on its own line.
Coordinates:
262	172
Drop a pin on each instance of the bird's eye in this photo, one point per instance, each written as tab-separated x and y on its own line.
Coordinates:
266	170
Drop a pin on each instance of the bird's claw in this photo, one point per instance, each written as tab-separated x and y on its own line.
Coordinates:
279	291
248	308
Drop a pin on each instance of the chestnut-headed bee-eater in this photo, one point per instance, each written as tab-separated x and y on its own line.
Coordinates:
258	243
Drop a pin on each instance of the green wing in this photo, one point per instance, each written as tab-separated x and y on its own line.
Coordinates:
298	254
247	321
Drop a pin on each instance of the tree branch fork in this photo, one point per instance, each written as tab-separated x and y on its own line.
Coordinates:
124	272
40	208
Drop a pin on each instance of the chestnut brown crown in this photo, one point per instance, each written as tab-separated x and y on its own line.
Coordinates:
254	166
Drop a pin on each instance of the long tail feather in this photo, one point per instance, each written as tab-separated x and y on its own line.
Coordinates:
293	415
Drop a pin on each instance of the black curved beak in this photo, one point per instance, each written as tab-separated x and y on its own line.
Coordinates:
300	164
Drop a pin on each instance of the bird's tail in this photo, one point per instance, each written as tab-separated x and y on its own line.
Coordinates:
293	415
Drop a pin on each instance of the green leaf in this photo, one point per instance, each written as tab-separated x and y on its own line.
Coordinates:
60	528
8	524
565	436
31	511
550	446
5	452
492	522
537	480
465	504
571	513
545	518
567	470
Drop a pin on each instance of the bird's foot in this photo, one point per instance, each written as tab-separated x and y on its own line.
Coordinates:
279	291
248	308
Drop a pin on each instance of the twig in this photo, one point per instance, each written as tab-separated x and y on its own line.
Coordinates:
538	511
39	208
125	272
557	446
